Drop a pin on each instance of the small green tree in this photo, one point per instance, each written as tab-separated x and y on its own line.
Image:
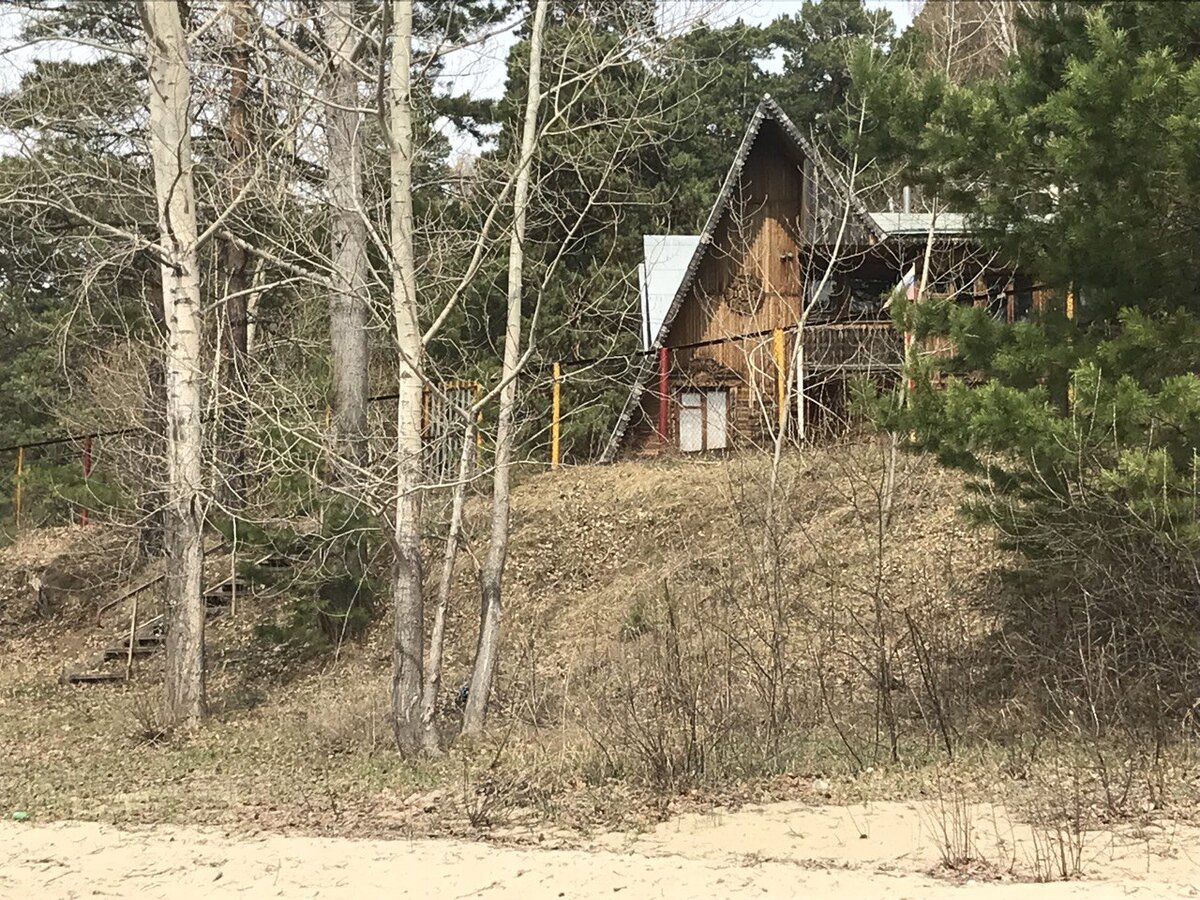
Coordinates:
1079	433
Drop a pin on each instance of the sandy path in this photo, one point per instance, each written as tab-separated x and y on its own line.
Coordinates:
777	851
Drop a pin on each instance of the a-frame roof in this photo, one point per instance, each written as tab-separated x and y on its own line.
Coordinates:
767	110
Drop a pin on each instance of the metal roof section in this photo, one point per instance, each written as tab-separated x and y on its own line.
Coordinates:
665	259
902	224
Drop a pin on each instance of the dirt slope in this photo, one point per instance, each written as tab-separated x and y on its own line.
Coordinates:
53	575
612	570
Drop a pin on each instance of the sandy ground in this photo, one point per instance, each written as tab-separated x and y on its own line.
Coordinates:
782	850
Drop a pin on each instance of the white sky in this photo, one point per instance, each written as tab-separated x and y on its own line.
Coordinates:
479	70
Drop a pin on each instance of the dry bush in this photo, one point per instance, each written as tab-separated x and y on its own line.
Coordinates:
146	723
950	817
357	720
666	712
1060	818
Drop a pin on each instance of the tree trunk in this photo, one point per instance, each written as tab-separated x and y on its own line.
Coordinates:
408	645
235	263
171	152
348	238
492	574
152	472
437	637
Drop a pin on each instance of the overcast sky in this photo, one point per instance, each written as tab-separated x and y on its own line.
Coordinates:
479	70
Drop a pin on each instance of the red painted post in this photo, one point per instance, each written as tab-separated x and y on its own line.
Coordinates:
87	470
663	365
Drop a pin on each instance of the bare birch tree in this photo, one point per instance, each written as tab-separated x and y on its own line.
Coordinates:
431	740
408	645
492	574
171	152
971	39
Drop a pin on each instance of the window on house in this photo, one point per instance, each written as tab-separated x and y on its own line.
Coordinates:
702	420
1022	301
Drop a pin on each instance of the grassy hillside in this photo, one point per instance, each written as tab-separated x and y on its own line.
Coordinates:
674	629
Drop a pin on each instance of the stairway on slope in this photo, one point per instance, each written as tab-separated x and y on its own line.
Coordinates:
148	638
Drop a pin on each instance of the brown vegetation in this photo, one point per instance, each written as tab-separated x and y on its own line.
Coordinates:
668	653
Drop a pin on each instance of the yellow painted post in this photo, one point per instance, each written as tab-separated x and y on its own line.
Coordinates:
780	379
800	425
476	390
1070	318
17	488
555	412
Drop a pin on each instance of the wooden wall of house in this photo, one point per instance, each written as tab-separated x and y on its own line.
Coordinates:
750	278
751	281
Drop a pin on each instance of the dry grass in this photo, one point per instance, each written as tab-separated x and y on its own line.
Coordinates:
647	670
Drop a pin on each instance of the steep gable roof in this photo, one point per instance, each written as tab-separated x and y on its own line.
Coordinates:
767	110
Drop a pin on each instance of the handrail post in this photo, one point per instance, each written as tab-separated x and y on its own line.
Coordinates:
87	471
132	633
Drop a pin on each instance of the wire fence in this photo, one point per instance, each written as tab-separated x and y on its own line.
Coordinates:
58	475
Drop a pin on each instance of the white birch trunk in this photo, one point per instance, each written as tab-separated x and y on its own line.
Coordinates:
492	574
409	638
437	637
348	237
170	148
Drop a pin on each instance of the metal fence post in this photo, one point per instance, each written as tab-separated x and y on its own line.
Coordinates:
555	413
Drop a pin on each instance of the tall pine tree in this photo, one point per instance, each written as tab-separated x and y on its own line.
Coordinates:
1079	428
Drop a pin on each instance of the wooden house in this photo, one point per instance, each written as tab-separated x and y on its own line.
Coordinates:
790	254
